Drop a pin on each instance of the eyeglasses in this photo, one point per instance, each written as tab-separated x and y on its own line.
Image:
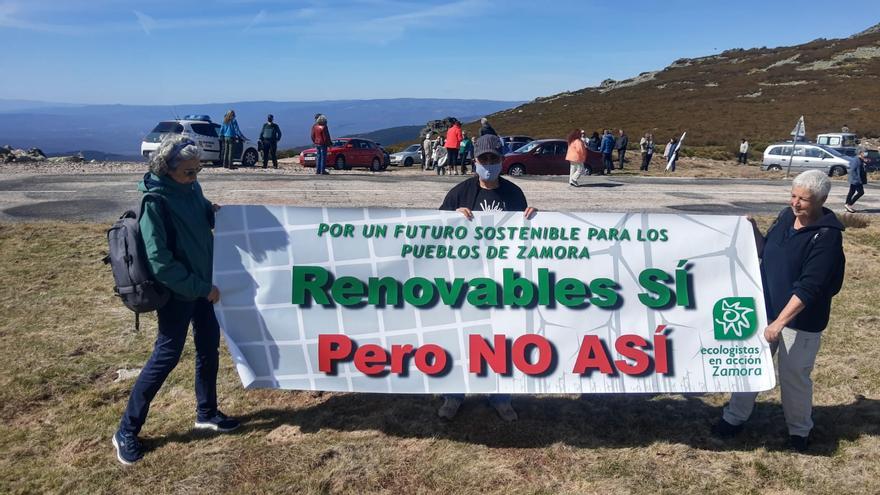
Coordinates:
192	172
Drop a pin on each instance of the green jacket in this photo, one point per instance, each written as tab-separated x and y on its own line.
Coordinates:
185	269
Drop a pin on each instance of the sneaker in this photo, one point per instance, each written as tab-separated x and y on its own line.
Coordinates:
798	443
849	208
573	184
723	429
219	422
128	447
449	408
505	410
325	173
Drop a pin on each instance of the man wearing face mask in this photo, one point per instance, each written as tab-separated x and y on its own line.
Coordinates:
485	191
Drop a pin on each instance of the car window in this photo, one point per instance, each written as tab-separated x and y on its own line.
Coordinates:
414	147
561	148
204	129
812	152
364	145
338	143
168	128
849	140
782	150
872	154
547	149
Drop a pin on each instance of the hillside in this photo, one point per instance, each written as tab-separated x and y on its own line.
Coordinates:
754	93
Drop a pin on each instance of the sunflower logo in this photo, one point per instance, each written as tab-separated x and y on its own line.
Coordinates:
735	318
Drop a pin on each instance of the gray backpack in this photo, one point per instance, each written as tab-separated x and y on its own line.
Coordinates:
134	282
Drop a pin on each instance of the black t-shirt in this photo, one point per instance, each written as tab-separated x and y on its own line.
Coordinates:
468	194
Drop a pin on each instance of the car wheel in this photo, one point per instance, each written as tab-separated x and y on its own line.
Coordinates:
408	162
774	168
339	164
517	169
250	158
837	171
376	166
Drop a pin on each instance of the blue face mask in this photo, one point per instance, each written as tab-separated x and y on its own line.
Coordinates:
489	172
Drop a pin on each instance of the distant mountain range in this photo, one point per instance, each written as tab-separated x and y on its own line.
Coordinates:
756	93
58	128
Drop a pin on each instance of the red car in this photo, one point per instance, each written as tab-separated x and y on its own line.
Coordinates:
545	157
345	153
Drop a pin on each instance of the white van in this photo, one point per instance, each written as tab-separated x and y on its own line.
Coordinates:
846	143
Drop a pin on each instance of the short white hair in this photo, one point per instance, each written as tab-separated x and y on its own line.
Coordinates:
815	181
484	121
173	150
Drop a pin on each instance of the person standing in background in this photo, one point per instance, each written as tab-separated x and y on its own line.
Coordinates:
743	152
229	132
270	134
321	139
621	144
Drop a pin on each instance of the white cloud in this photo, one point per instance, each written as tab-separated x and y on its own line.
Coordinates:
147	23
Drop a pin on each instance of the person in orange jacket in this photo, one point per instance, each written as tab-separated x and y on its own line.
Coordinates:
453	141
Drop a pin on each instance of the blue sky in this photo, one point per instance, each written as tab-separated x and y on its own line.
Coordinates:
182	51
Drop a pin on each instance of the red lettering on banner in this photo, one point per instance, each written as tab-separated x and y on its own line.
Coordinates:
592	356
545	354
624	346
398	354
370	359
480	353
332	347
438	355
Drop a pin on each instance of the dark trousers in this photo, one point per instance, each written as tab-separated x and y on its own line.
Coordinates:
743	158
620	154
226	151
270	149
174	320
856	191
608	162
451	158
646	161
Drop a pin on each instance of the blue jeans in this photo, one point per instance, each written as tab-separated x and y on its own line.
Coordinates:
494	399
608	162
620	154
174	320
320	159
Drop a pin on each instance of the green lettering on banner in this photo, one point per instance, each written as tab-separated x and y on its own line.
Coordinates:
311	280
652	279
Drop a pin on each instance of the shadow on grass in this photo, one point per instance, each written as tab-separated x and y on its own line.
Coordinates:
592	421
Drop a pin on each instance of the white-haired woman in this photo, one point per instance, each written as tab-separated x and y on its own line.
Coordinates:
176	225
229	132
802	265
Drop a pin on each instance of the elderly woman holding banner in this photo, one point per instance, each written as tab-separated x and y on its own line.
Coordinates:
802	266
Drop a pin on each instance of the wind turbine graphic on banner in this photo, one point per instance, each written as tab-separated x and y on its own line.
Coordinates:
799	133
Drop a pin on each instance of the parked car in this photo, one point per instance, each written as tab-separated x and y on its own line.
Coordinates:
412	154
544	157
516	142
846	143
806	156
345	153
873	160
200	129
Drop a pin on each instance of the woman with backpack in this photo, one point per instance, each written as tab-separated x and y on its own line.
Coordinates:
178	244
229	132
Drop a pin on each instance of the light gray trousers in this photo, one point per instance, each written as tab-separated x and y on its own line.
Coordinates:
795	355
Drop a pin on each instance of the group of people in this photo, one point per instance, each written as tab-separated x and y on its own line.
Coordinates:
802	269
230	133
606	143
452	154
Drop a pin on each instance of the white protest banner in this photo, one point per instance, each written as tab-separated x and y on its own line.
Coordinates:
423	301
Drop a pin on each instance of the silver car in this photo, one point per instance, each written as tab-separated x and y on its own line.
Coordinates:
806	156
412	154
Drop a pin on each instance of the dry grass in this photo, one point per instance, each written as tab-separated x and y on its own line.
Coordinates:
63	336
